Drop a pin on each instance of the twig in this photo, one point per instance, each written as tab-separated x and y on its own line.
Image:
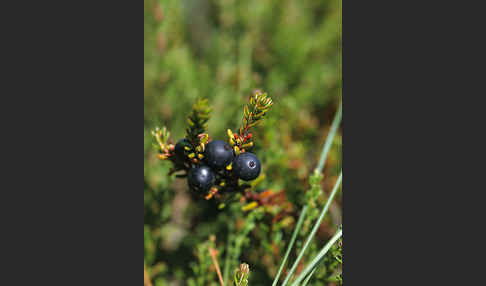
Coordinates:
213	253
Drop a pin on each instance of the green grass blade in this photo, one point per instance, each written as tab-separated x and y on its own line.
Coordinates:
309	277
330	138
314	230
318	258
289	248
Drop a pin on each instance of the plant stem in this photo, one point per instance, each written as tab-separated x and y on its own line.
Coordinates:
289	248
318	257
212	252
330	138
314	230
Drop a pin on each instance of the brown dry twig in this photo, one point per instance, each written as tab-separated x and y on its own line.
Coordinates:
213	253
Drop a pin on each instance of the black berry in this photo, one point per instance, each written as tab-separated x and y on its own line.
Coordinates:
247	166
179	148
200	178
218	154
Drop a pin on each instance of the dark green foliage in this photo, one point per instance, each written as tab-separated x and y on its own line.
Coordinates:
202	266
180	152
198	121
329	269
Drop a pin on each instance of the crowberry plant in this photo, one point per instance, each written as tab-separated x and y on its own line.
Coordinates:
214	168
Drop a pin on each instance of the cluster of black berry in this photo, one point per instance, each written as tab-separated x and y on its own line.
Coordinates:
214	168
219	165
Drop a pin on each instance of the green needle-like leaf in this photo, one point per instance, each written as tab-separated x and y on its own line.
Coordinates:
318	258
330	138
289	248
314	230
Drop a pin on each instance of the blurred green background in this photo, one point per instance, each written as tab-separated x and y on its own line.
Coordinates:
223	50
